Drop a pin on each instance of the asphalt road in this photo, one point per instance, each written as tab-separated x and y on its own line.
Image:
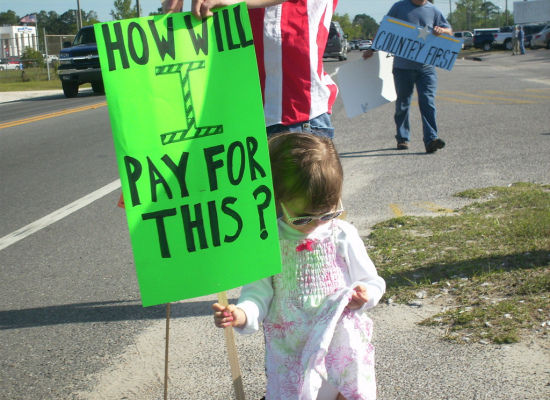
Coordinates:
70	316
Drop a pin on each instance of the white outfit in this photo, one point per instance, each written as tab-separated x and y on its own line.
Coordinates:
315	346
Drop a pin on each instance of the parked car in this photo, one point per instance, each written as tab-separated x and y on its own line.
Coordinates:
353	44
365	44
484	40
531	30
10	63
337	44
79	63
541	39
467	37
50	58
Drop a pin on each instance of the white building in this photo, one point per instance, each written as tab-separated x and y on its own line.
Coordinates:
528	12
14	40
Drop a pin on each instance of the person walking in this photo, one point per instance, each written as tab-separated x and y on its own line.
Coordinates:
408	74
290	38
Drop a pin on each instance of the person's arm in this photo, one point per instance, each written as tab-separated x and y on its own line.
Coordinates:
439	30
361	271
172	6
203	8
441	26
251	310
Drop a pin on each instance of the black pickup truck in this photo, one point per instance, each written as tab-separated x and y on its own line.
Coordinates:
484	40
79	63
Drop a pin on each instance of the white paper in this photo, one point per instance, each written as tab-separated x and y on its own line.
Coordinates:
366	84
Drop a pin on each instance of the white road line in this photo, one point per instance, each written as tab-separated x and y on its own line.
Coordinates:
540	81
57	215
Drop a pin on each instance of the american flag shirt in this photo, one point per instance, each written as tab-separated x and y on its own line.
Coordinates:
290	39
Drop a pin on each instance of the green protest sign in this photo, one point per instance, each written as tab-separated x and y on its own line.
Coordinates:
186	114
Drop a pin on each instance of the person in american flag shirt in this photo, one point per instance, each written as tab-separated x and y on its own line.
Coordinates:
290	37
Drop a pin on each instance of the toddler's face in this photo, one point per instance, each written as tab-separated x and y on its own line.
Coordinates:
296	209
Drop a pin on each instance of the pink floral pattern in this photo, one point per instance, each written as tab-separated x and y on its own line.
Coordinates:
310	335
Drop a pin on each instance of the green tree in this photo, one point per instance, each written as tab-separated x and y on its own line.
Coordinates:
368	25
64	24
9	18
89	18
123	9
31	58
472	14
489	12
352	31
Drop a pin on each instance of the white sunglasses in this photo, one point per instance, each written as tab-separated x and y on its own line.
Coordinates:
307	219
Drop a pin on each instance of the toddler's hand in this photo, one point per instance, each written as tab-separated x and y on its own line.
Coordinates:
358	298
228	316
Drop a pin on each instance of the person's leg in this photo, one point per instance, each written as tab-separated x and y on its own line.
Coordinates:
404	85
426	87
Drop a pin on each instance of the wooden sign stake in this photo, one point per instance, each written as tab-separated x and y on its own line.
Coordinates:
166	351
232	353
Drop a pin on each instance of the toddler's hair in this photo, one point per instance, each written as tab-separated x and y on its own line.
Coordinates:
307	166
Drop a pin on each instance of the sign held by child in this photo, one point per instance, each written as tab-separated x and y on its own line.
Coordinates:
187	119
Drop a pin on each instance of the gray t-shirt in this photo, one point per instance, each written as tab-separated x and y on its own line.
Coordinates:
427	15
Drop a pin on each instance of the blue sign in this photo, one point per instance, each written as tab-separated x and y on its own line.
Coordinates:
416	43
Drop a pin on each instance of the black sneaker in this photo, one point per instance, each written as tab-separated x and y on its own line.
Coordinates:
434	145
402	146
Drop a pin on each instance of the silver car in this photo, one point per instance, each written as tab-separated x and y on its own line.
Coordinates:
467	37
365	44
541	39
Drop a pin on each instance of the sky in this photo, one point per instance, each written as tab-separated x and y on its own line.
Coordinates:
374	8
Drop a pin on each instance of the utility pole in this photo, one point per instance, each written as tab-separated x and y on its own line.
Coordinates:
450	13
78	16
506	12
138	8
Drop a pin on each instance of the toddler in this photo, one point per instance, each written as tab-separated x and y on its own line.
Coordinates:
317	333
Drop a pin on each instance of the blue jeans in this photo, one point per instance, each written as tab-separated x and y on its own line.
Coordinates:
425	80
320	126
522	47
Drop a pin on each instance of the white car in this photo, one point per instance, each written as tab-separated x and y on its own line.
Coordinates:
50	58
541	39
364	44
5	64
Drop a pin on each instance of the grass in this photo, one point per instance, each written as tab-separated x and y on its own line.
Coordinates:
28	79
488	265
